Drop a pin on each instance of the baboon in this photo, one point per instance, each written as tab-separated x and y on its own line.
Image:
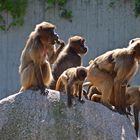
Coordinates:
71	56
111	71
101	85
72	79
38	53
92	94
133	98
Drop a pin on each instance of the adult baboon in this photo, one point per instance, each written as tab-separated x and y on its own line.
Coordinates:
34	69
111	71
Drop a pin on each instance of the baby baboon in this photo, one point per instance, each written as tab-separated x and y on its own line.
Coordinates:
35	71
72	79
71	56
92	94
111	72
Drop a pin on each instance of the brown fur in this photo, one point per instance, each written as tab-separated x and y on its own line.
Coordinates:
133	98
72	79
111	72
69	57
92	93
34	70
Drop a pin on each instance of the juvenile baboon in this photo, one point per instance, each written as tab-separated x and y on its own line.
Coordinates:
72	79
71	56
34	69
133	98
111	72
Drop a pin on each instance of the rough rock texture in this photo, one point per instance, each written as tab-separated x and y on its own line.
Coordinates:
31	116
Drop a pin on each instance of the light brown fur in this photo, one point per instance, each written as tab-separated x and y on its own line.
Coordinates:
35	71
111	72
72	79
92	94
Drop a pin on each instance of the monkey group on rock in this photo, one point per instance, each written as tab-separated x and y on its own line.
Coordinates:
46	62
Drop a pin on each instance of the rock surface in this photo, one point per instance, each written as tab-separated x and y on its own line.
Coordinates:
31	116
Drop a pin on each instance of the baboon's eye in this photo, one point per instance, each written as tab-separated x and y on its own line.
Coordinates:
83	74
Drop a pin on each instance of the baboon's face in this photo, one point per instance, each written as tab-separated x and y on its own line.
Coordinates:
81	74
79	46
50	36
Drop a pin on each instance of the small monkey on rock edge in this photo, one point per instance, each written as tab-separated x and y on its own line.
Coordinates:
72	79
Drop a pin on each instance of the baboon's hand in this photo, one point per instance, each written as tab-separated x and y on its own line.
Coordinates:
61	43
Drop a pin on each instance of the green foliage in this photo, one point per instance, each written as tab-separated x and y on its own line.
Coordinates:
64	13
59	2
137	7
16	8
67	14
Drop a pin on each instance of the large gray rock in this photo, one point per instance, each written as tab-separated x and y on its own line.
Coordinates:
31	116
